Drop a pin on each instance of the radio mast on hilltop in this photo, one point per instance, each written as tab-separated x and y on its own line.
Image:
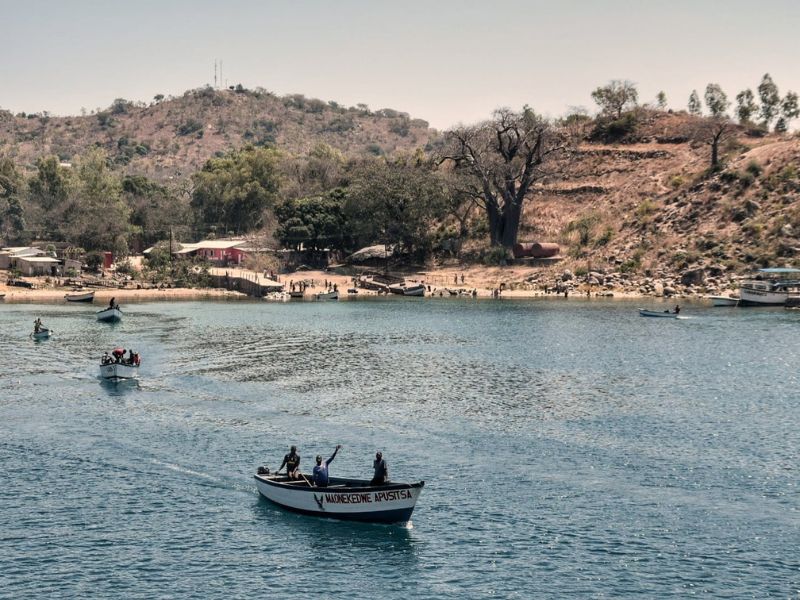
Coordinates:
215	73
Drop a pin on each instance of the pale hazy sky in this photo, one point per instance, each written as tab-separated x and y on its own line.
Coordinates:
440	60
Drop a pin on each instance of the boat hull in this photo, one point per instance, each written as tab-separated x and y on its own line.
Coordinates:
84	297
723	301
753	297
118	371
348	500
41	335
654	313
328	296
418	290
110	315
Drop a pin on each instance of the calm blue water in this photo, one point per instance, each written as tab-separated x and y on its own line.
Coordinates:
569	448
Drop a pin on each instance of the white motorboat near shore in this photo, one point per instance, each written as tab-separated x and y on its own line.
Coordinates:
346	499
80	297
771	287
112	314
723	300
327	296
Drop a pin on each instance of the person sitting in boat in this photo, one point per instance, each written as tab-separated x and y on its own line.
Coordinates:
321	469
118	353
292	462
677	309
381	475
106	359
112	303
37	326
135	359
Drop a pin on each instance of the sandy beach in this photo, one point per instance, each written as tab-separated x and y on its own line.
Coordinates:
510	282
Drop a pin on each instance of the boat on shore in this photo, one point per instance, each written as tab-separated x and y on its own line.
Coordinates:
296	295
80	297
666	314
112	314
771	287
327	296
414	290
345	499
723	300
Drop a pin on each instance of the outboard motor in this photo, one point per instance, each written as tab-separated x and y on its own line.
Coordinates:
263	471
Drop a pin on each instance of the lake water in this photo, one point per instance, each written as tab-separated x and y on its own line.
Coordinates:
568	448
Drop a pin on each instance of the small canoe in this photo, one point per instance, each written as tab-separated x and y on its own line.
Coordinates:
296	295
327	296
80	297
119	371
345	499
42	334
666	314
723	300
110	315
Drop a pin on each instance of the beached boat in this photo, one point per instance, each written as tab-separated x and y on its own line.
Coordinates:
42	334
771	287
327	296
112	314
397	288
80	297
414	290
723	300
643	312
346	499
296	295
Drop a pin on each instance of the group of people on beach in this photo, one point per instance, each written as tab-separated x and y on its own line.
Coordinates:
320	476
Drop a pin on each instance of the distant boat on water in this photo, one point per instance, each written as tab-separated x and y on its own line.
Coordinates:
327	296
42	334
666	314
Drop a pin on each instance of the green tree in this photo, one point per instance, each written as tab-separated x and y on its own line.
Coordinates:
155	209
12	213
502	159
661	100
236	191
789	110
695	108
770	99
315	222
616	97
745	106
96	217
716	100
50	187
395	203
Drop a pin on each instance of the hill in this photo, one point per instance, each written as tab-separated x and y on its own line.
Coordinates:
173	137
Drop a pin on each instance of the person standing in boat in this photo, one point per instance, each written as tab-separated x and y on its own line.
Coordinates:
381	475
321	469
37	325
677	309
112	303
292	462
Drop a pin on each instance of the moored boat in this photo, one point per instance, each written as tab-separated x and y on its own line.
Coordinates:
112	314
643	312
771	287
723	300
327	296
80	297
296	295
345	499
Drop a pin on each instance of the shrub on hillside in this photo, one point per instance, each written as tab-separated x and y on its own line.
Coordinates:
189	127
611	130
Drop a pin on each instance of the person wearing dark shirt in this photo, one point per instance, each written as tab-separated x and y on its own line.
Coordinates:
381	475
292	462
321	469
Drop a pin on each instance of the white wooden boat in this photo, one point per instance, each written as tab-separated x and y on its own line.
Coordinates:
80	297
771	287
117	370
346	499
110	314
327	296
723	300
414	290
643	312
42	334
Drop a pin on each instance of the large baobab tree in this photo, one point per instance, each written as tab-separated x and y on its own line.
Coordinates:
501	159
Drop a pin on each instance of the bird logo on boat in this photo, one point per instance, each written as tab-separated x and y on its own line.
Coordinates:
320	501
